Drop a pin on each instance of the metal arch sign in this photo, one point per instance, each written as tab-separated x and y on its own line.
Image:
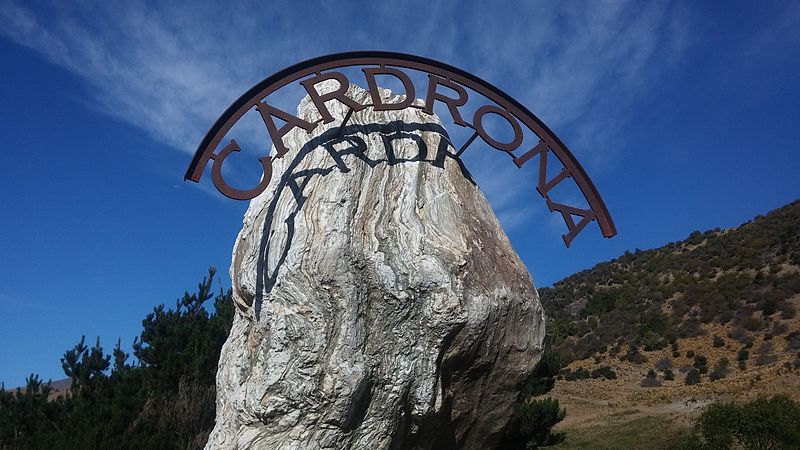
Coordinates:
440	75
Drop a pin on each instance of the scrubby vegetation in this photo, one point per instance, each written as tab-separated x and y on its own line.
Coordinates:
764	423
650	380
743	277
163	399
692	377
532	424
581	373
534	415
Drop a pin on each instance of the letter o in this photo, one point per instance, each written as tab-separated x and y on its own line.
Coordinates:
478	124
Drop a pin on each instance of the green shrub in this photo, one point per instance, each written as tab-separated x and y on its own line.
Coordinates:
700	361
533	418
793	341
164	400
663	364
764	360
692	378
763	423
532	423
778	328
720	370
787	311
633	355
742	355
741	335
604	372
578	374
769	307
542	379
752	323
648	382
764	354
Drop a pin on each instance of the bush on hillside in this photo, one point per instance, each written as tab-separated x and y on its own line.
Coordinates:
778	328
741	335
765	357
663	364
692	377
751	323
729	279
793	341
533	418
764	423
580	373
542	379
720	371
633	355
648	382
532	423
700	363
604	372
788	311
742	355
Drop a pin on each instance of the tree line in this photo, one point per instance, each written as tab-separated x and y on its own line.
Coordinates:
164	396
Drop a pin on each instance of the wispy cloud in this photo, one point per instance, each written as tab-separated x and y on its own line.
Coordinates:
171	70
582	66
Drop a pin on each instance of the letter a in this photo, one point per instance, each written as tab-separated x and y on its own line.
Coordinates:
267	111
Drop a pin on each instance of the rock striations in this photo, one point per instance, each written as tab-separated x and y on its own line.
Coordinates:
380	304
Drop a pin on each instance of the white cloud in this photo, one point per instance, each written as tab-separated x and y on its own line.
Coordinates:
171	70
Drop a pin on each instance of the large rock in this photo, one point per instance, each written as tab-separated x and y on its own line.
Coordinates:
380	303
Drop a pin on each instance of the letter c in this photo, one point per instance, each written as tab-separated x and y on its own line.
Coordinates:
227	190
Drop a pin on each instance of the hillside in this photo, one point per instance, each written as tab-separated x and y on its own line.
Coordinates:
650	339
746	277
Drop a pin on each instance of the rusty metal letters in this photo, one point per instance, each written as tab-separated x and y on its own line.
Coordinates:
446	84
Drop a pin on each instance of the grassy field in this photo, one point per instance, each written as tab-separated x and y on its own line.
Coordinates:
639	433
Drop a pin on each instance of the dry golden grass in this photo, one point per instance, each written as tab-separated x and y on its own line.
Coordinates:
595	406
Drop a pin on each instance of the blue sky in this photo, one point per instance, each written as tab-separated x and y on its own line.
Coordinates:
684	114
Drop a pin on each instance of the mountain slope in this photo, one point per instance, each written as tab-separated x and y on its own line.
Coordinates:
747	278
653	337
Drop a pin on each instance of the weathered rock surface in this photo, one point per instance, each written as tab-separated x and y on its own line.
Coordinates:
381	304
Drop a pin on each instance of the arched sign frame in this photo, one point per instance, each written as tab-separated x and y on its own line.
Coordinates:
439	74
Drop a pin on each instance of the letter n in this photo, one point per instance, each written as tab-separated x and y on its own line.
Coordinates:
543	186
